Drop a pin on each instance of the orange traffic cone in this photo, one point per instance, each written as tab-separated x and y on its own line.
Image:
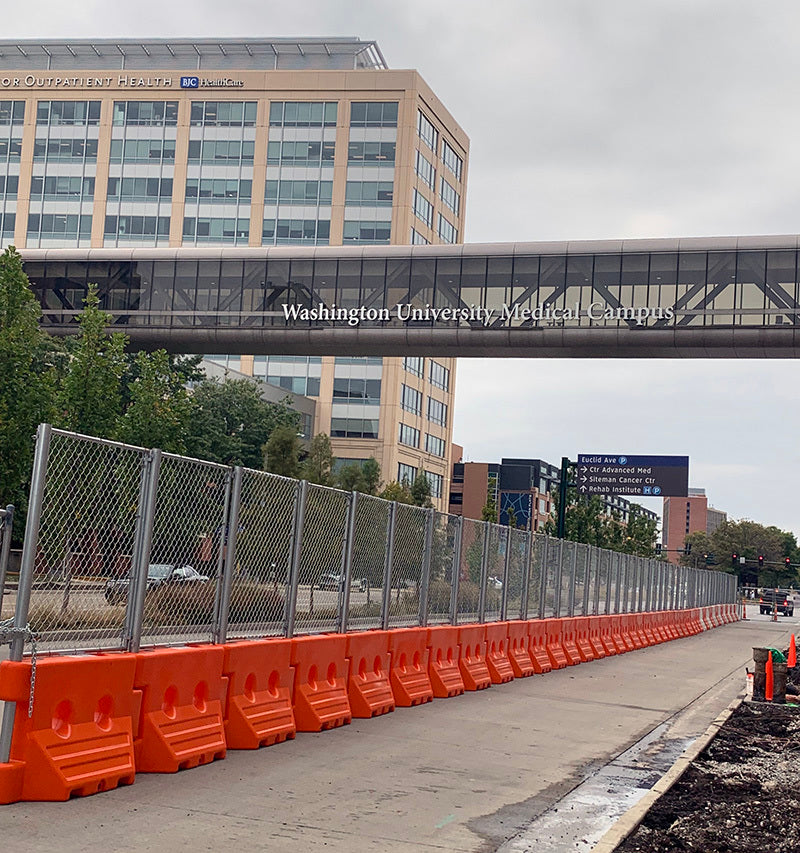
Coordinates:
792	659
770	679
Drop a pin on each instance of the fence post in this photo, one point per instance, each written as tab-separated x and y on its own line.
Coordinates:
5	545
27	567
543	577
484	571
526	575
387	567
348	562
230	536
458	538
138	584
426	568
573	579
506	563
557	581
294	566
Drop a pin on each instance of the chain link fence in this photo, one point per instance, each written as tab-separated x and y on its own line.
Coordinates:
128	547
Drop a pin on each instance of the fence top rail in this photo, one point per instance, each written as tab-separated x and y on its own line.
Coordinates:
92	439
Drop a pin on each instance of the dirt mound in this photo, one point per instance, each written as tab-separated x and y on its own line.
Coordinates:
741	795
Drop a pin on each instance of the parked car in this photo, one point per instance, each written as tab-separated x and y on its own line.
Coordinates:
494	582
334	582
158	574
781	600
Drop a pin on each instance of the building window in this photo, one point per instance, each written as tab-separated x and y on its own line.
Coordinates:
427	132
436	482
406	473
146	113
143	151
447	231
300	153
64	150
136	227
68	112
207	229
223	114
219	189
354	427
414	365
302	114
373	114
223	152
352	390
369	193
59	226
371	153
9	185
367	232
450	159
418	239
423	209
425	171
292	232
8	222
410	400
450	197
439	375
437	412
299	374
408	435
12	112
140	189
434	445
59	187
298	192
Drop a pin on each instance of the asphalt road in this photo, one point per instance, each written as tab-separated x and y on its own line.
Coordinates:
462	774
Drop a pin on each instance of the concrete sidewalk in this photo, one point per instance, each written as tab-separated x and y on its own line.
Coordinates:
462	774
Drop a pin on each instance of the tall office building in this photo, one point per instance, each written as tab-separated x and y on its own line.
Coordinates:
683	516
251	142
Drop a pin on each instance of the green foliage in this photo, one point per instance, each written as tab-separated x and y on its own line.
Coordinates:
159	412
27	383
394	491
512	517
90	399
364	478
489	511
318	463
371	474
230	422
421	490
282	452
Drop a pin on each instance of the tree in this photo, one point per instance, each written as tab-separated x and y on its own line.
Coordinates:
421	490
231	422
318	464
489	511
640	533
159	413
371	476
394	491
28	381
90	399
282	452
512	517
751	540
364	477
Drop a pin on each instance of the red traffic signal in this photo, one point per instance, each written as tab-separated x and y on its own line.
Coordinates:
760	561
734	560
788	562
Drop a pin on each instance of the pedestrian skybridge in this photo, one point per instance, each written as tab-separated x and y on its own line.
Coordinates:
716	297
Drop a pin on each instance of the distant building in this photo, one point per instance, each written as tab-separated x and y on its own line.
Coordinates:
685	515
525	486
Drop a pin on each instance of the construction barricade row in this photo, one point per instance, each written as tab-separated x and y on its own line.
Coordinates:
96	720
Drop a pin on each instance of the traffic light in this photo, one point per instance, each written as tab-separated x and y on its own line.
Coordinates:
659	546
760	561
687	548
788	562
734	561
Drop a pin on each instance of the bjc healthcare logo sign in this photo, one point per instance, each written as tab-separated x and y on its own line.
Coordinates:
190	82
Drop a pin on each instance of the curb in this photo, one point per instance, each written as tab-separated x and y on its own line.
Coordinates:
630	821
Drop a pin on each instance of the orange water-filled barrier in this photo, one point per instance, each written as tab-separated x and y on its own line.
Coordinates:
320	682
408	676
472	662
443	668
368	686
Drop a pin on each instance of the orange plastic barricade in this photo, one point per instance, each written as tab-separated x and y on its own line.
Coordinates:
646	627
607	635
443	668
258	710
629	635
555	651
79	740
537	646
497	653
368	686
618	637
593	636
409	673
320	682
181	722
518	654
568	641
582	639
472	663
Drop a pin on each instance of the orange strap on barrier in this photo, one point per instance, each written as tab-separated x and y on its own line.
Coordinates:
518	654
443	667
79	739
181	723
368	686
320	682
408	676
472	662
497	653
537	646
258	710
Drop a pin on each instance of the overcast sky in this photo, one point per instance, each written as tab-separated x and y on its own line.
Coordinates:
587	120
